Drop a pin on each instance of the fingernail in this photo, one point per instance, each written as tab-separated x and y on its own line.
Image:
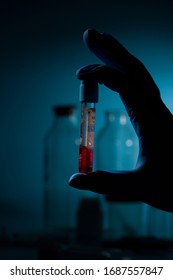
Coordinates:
75	179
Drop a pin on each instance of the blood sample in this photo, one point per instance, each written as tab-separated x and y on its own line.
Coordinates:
88	99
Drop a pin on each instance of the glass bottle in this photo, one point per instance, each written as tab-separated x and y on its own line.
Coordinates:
61	144
158	224
117	149
117	143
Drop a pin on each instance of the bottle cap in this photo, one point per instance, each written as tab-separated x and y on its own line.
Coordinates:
88	91
63	110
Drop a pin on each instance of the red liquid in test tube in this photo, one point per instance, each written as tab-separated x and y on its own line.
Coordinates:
85	159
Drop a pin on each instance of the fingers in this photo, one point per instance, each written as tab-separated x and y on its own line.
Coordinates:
114	55
110	77
118	185
108	49
138	185
126	75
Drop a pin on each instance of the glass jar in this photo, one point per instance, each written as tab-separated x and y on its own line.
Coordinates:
61	145
117	149
158	223
117	143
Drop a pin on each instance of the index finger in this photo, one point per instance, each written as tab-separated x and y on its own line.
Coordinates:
108	49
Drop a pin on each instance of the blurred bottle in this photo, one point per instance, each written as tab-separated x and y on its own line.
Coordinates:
159	224
117	150
117	143
61	145
89	222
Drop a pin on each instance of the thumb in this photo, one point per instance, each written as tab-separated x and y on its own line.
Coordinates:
110	183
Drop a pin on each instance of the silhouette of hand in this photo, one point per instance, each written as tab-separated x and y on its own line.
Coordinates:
151	181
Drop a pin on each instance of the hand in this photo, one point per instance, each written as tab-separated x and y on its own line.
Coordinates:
151	181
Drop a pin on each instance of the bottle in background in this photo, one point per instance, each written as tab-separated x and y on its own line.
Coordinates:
117	150
61	145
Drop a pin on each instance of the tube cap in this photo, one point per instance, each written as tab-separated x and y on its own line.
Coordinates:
88	91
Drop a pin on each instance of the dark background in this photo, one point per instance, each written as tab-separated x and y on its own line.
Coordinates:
41	48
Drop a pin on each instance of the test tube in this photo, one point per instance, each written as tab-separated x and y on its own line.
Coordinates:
88	98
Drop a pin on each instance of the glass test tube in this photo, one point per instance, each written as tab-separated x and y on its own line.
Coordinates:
88	98
86	137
